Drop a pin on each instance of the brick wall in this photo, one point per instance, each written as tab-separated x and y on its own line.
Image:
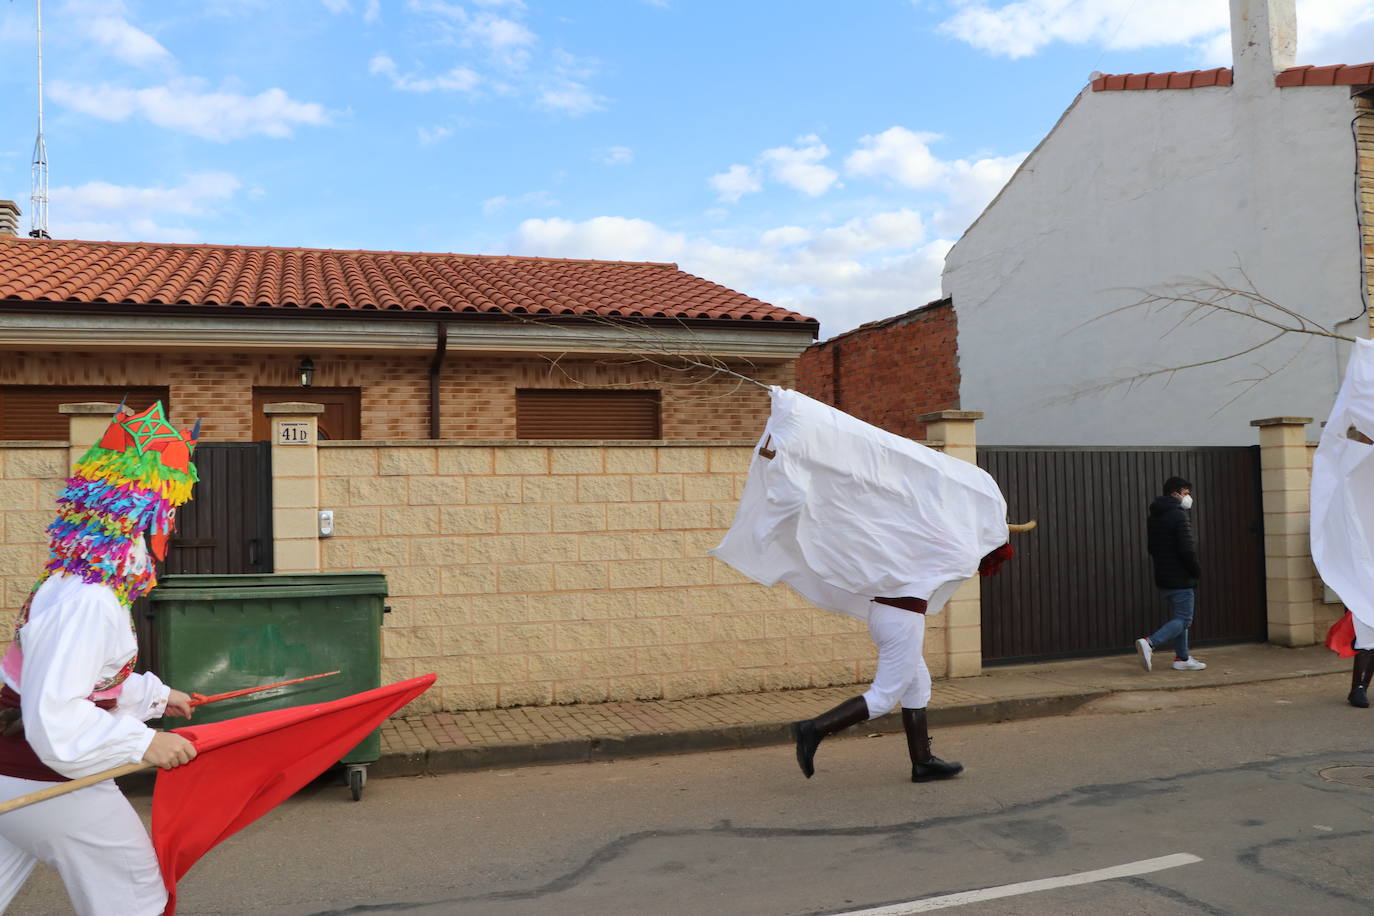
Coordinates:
539	575
477	393
889	372
1364	148
30	477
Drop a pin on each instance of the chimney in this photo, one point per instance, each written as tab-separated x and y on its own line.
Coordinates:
1264	40
9	219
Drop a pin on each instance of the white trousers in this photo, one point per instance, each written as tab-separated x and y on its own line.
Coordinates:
1364	634
95	840
902	673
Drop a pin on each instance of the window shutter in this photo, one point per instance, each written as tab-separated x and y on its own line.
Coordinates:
29	412
586	413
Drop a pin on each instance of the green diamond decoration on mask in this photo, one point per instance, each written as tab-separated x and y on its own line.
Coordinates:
149	426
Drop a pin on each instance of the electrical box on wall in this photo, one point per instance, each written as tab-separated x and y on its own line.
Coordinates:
326	523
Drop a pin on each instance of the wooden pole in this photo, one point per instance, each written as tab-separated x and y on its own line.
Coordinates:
62	788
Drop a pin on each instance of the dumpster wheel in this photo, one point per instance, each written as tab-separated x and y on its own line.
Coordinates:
357	778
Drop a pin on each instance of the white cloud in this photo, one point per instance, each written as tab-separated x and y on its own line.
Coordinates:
185	106
904	158
899	155
1024	27
785	236
506	40
373	11
735	182
563	88
846	274
529	199
800	166
336	6
432	135
459	79
101	210
104	23
616	155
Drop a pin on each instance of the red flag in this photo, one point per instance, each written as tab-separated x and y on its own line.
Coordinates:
245	767
1341	637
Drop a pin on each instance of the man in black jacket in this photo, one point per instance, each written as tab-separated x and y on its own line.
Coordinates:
1174	552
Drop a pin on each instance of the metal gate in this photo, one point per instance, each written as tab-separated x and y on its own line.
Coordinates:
1082	584
227	525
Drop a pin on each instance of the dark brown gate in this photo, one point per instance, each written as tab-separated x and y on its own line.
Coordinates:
227	525
1081	583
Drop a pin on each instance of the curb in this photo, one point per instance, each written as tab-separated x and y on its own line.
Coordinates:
436	761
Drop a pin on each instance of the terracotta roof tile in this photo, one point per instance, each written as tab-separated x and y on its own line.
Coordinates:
290	278
1334	75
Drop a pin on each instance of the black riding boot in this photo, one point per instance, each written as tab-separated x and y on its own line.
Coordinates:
1359	680
925	766
809	732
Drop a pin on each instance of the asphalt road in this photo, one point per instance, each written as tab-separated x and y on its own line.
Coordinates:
1228	780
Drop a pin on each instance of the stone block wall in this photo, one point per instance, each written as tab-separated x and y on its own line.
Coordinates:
31	474
890	372
562	573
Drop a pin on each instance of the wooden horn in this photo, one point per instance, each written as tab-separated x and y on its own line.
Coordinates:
1022	528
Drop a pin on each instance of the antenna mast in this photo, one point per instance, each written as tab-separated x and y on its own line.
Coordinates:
38	175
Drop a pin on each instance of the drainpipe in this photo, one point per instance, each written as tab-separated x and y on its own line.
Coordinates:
440	346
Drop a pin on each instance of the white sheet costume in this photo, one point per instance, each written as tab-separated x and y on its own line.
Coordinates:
844	513
1343	495
77	635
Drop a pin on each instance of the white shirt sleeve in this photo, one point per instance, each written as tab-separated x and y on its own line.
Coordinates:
143	696
64	650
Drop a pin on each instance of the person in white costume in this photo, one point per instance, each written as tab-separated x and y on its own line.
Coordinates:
71	704
866	523
1342	515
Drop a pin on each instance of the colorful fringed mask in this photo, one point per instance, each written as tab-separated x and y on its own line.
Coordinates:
128	485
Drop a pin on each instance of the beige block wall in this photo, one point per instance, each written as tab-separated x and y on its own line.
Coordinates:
560	574
1364	149
31	474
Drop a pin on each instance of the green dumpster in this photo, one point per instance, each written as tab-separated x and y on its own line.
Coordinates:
214	634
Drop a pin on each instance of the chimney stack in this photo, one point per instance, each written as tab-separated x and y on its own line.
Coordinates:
1264	40
9	219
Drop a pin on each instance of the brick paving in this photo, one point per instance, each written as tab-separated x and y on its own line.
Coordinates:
447	741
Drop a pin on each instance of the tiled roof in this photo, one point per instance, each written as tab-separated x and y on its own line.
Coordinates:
296	278
1336	75
1175	79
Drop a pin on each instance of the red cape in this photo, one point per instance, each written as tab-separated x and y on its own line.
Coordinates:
245	767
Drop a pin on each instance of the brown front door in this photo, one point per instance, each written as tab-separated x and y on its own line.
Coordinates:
342	417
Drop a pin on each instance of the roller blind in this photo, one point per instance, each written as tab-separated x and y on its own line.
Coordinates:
30	411
586	413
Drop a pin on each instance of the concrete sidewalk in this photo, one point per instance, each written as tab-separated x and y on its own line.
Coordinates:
447	742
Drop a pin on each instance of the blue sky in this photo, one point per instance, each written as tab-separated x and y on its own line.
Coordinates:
819	154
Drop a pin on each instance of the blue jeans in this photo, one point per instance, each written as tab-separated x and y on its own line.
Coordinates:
1181	603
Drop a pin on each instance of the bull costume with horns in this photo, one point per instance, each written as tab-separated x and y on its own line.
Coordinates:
72	703
872	525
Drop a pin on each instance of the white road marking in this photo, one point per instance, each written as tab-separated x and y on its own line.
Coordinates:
1143	867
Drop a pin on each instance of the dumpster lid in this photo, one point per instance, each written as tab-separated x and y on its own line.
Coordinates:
183	586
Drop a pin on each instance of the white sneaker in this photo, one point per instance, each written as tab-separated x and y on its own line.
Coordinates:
1146	653
1189	664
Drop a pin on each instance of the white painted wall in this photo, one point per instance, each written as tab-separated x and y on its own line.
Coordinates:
1138	189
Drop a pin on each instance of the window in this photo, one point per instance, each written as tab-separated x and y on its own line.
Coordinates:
342	417
30	411
586	413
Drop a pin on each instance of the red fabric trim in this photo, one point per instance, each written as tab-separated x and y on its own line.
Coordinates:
17	757
1341	637
907	604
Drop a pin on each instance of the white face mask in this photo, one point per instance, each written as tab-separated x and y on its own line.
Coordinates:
1187	501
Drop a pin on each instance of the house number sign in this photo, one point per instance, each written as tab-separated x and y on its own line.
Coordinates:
293	432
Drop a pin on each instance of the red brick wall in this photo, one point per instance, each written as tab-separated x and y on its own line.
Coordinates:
889	372
477	393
